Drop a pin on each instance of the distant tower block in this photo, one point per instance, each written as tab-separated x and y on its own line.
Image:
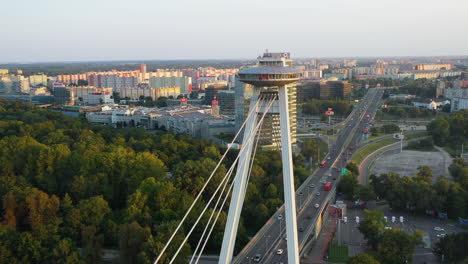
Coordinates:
143	71
271	78
215	107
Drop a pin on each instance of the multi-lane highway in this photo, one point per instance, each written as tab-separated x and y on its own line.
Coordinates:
272	236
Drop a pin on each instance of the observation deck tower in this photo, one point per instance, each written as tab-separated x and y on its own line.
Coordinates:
270	79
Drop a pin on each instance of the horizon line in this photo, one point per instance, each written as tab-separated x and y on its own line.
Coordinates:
235	59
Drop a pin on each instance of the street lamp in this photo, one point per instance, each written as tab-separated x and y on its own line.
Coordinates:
266	243
280	218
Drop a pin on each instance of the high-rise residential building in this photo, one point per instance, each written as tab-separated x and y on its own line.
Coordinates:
312	74
335	89
270	133
13	84
210	93
63	95
226	102
38	80
458	98
432	67
440	88
464	76
307	91
184	83
143	69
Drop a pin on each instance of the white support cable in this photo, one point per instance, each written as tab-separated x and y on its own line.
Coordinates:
202	189
215	207
227	194
216	191
214	223
253	155
229	173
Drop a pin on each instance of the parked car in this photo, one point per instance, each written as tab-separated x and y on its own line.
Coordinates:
279	251
316	205
438	229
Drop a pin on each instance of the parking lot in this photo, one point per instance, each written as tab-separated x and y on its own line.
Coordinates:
350	235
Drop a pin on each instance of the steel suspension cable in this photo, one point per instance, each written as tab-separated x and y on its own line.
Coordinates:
251	111
227	194
213	196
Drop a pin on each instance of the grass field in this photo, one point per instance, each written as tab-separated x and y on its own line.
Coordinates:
337	253
415	135
362	153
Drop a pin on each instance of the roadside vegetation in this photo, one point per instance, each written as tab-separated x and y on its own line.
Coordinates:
384	130
404	112
318	107
424	144
451	131
365	151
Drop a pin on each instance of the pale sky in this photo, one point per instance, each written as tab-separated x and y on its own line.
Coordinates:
88	30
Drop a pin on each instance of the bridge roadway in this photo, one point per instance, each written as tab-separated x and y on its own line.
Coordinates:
272	235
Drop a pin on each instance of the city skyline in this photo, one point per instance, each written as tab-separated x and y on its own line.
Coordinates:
115	30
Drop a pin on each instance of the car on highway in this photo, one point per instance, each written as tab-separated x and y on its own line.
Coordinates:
316	205
279	251
257	258
438	229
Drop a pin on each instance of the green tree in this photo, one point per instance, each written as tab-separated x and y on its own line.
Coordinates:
353	167
347	185
372	227
397	247
439	130
362	258
131	239
364	193
425	174
454	247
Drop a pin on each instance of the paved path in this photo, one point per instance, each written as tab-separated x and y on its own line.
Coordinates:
447	161
319	251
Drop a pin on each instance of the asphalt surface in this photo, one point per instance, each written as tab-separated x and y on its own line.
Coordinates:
272	236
